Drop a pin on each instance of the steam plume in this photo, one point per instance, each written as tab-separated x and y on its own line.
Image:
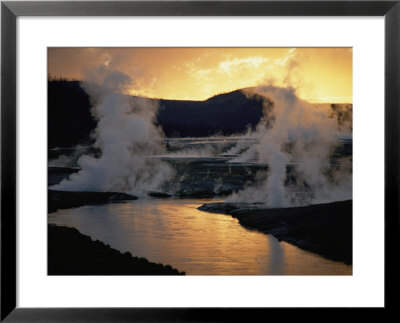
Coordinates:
126	136
297	146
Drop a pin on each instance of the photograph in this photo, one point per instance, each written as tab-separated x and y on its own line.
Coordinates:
200	161
147	141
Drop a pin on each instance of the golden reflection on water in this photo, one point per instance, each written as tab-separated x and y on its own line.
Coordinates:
175	232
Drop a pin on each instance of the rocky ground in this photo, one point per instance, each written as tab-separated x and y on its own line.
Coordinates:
325	229
65	199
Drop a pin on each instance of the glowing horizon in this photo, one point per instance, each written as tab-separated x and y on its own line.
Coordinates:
319	75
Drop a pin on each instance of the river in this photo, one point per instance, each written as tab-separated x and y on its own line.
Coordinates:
175	232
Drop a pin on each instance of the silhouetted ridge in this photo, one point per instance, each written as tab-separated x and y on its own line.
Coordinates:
70	121
224	114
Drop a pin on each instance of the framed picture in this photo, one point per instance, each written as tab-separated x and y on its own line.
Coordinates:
238	171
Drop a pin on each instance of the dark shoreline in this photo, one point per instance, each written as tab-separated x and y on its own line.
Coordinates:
67	199
325	229
72	253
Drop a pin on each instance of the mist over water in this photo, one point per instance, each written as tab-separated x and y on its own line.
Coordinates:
301	134
293	144
125	135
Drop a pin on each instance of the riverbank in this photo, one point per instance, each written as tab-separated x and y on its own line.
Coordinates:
67	199
325	229
72	253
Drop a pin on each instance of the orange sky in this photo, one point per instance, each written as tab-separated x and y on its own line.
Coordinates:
318	74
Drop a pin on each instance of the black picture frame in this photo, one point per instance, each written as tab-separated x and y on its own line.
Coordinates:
10	10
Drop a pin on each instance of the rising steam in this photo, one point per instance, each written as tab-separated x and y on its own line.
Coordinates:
125	135
297	146
295	139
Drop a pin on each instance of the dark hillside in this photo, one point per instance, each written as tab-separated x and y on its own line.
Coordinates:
70	121
225	114
69	118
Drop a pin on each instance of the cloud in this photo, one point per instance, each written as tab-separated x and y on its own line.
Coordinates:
231	65
199	73
285	59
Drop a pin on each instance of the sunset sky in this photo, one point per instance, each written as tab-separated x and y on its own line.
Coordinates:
318	74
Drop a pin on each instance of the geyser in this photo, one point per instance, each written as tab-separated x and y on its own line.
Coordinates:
125	135
297	143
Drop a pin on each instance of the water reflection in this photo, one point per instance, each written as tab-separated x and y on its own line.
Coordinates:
174	232
276	264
